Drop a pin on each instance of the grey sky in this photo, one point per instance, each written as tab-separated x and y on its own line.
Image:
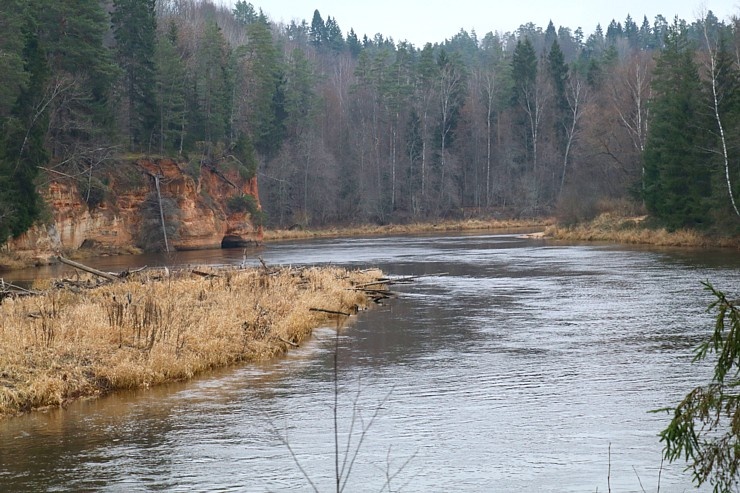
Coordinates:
420	21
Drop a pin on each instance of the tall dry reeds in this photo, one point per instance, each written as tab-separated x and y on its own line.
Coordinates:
608	227
71	341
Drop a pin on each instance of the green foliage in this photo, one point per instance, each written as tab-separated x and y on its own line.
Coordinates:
524	70
242	203
22	148
71	35
210	108
244	154
299	94
705	428
677	180
134	26
558	72
13	77
263	79
244	13
171	92
246	204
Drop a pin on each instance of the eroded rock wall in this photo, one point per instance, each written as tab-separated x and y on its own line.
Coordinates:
198	215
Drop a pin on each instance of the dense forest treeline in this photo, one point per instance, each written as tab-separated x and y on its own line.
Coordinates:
345	129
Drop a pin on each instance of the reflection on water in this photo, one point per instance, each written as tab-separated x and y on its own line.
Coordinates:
511	366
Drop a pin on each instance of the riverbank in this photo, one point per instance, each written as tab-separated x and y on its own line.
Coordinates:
472	225
633	230
76	339
18	260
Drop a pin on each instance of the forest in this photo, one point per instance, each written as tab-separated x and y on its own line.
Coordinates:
642	117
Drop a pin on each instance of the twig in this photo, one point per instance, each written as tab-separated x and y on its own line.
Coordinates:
389	477
639	480
293	454
363	434
609	470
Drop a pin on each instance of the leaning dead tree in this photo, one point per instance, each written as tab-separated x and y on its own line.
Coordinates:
161	213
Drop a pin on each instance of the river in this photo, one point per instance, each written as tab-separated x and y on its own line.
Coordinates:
509	365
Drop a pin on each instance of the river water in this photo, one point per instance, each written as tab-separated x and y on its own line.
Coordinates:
509	365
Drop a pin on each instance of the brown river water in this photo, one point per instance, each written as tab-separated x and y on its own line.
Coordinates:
509	365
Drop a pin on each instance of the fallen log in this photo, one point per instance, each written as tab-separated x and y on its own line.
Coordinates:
96	272
389	281
330	312
290	343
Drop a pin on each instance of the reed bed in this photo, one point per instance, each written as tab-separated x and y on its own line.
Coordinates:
412	228
73	340
608	227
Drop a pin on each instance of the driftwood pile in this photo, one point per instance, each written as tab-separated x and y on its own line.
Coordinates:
8	289
379	290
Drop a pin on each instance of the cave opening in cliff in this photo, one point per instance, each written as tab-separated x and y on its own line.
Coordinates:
233	241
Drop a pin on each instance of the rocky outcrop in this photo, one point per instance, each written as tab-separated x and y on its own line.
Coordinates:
197	212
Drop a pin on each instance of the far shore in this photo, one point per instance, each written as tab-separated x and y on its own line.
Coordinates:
442	226
606	227
20	260
633	231
80	338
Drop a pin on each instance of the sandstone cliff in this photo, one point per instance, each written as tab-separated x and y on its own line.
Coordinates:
198	212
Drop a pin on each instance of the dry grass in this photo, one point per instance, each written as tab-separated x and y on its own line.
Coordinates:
73	342
17	260
608	227
440	226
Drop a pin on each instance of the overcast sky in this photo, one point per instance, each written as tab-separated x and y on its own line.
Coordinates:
420	21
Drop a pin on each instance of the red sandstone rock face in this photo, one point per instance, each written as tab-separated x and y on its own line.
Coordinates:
202	221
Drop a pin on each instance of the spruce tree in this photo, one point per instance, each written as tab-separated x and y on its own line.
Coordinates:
558	72
244	13
677	179
13	76
209	111
134	27
265	80
22	148
71	37
171	94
